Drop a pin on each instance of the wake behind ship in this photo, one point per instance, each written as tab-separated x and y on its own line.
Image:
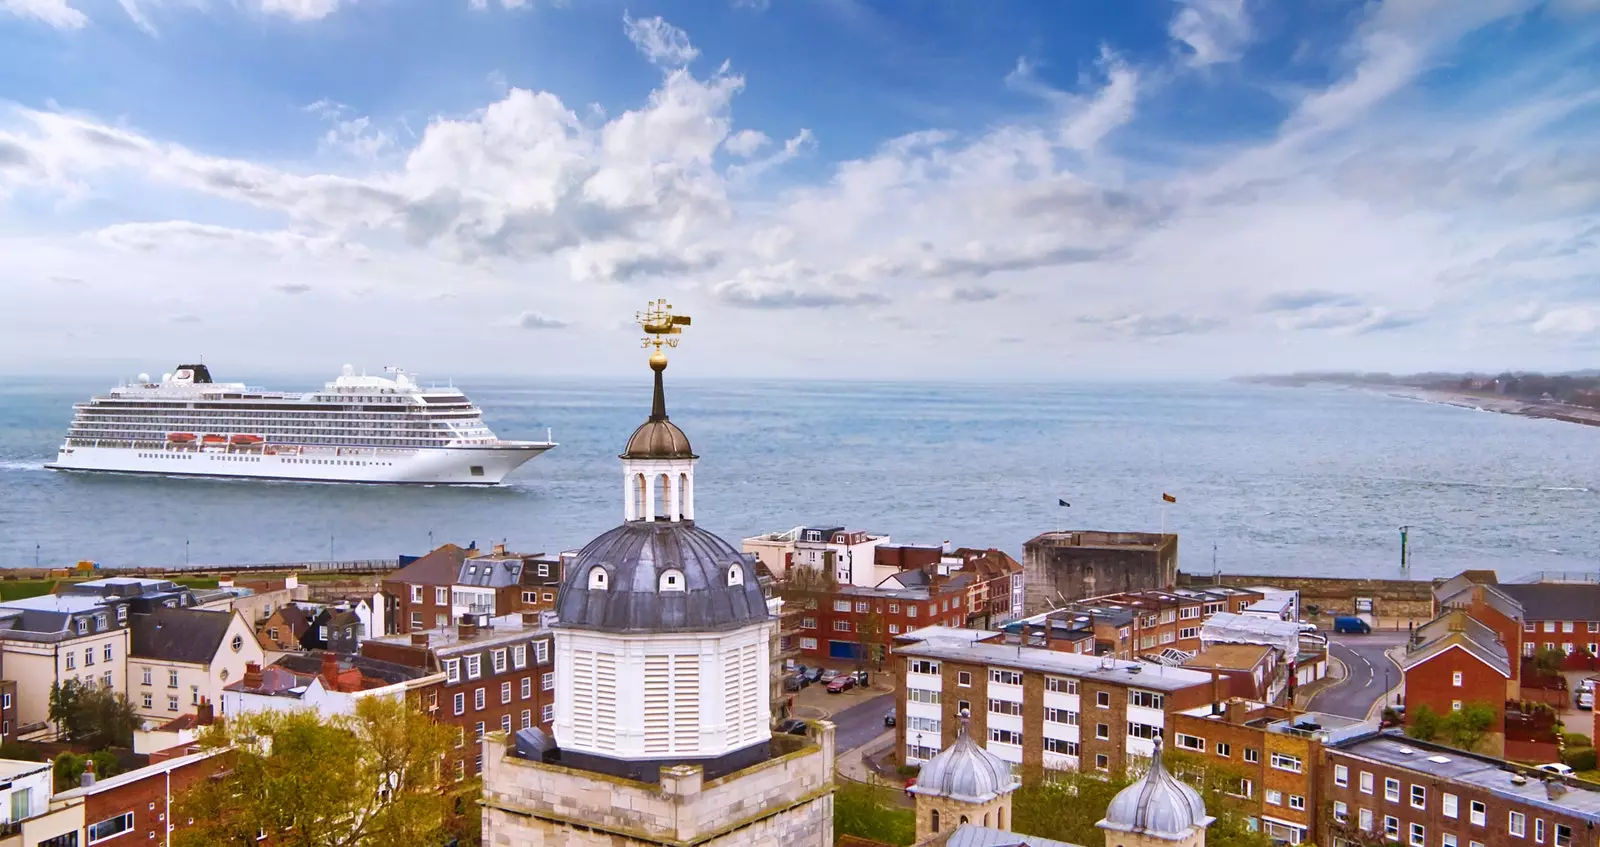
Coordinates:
356	429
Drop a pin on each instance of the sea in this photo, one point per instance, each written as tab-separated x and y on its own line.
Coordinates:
1267	480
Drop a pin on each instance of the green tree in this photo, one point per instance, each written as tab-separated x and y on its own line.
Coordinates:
91	715
1424	723
870	810
1466	727
869	641
367	779
69	767
1548	661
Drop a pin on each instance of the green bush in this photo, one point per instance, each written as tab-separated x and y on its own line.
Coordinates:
1582	759
20	751
1574	741
871	812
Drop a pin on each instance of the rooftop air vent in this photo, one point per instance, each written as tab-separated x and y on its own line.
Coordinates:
1406	751
1439	760
1518	779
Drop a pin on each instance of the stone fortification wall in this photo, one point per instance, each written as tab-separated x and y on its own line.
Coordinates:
785	802
1073	564
1391	598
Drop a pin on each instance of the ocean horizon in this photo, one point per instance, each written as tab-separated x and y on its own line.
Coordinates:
1305	481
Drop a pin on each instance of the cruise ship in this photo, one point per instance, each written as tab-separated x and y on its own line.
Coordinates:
371	429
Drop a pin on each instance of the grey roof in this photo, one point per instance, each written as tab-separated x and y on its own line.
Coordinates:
634	557
966	773
1456	628
310	664
1159	805
490	572
972	835
1547	601
1498	600
1492	775
179	635
1105	669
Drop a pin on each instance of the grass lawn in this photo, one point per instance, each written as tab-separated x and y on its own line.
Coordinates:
24	588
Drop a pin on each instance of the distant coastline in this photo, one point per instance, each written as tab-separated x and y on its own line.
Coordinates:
1478	400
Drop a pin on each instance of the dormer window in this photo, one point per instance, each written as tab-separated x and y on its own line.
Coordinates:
735	575
672	580
597	578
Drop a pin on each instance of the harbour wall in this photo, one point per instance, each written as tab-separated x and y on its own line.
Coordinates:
1403	599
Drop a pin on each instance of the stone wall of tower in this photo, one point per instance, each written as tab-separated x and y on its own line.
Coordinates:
786	800
1196	838
995	814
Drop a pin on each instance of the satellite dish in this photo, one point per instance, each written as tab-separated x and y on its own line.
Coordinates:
166	377
349	370
144	377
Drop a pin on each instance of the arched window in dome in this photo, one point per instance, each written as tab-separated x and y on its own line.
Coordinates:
671	580
963	820
933	820
735	575
641	508
597	579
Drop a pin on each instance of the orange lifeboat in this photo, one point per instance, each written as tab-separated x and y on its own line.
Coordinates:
180	437
213	439
245	440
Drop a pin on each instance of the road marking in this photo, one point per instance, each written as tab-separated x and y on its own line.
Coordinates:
1369	674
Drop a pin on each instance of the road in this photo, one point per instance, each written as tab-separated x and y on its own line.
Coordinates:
1368	673
860	723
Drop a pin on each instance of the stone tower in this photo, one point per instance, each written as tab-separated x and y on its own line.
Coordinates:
963	784
1157	811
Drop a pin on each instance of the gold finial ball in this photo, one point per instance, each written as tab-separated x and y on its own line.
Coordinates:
658	359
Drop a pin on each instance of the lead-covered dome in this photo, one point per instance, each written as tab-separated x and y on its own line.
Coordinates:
1160	805
965	772
660	576
658	437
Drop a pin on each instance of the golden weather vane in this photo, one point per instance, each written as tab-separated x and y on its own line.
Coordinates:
661	327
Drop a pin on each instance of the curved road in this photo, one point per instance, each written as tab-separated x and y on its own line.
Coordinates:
1368	674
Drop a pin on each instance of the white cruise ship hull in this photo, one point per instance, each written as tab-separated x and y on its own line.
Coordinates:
485	464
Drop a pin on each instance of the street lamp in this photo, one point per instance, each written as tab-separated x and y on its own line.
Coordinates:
186	552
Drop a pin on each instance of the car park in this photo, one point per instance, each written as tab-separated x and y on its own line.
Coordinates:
795	682
828	675
813	675
841	684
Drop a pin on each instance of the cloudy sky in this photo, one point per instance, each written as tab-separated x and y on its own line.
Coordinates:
832	188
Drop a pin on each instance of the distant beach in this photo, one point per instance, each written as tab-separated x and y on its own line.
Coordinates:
1493	403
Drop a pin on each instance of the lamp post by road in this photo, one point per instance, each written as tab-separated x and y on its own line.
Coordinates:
36	555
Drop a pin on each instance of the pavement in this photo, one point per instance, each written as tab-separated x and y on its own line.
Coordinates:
1369	673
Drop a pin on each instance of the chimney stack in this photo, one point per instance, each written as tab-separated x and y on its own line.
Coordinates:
467	627
419	639
1236	710
330	670
530	618
205	715
1216	692
88	773
500	549
252	675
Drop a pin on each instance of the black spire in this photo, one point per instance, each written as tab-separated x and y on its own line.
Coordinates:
658	405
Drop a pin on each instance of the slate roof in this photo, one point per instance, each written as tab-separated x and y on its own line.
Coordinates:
179	635
972	835
634	556
1456	628
310	664
439	567
490	572
1551	601
1497	599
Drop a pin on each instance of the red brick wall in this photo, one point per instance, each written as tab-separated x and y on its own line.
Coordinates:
147	800
1432	684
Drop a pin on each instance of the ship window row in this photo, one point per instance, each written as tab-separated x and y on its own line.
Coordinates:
187	414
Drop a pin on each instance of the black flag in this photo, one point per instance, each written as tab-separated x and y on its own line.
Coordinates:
1063	502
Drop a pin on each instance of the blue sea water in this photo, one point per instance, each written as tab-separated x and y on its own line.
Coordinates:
1288	481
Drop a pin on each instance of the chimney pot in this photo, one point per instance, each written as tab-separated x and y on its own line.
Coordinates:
205	715
252	675
88	773
467	627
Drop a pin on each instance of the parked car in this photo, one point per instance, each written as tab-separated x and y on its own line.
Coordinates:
1586	700
841	684
793	726
860	677
888	718
1350	623
828	675
1308	628
1556	768
795	682
813	675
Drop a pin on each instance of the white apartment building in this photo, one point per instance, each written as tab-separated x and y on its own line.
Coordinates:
181	657
850	555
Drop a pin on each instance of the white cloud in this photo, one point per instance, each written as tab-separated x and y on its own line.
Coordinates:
1214	31
660	42
752	5
746	142
537	320
1085	120
55	13
301	10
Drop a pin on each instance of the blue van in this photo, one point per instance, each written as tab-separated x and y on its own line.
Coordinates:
1351	624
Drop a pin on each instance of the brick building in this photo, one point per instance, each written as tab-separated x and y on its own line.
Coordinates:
1454	660
1072	565
1554	615
499	675
1134	623
435	590
1386	787
130	807
846	623
420	591
1252	671
1036	708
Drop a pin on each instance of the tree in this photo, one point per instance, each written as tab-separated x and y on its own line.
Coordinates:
367	779
91	715
1424	723
69	767
869	640
869	810
1548	661
1466	727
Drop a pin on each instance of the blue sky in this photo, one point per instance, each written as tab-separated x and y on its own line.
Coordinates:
832	187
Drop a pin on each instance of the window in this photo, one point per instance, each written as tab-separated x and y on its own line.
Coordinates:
861	608
541	650
964	679
841	626
1285	762
527	687
477	731
239	641
808	623
1391	789
911	611
1060	685
1102	762
1224	749
548	713
83	626
505	723
1189	632
1341	812
1252	755
110	826
441	596
924	666
505	693
460	702
416	594
1004	736
1057	745
1449	803
1419	835
1144	699
1538	826
547	682
1297	802
1366	782
452	671
1341	775
527	719
477	699
1061	716
172	679
923	695
474	666
498	658
1479	813
1191	742
1364	820
416	621
519	656
808	644
88	656
148	700
1005	677
597	578
1455	679
146	676
841	605
1144	730
1564	832
1391	827
1517	824
1005	707
172	702
1274	797
1102	731
1102	699
1419	797
1447	839
1244	789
